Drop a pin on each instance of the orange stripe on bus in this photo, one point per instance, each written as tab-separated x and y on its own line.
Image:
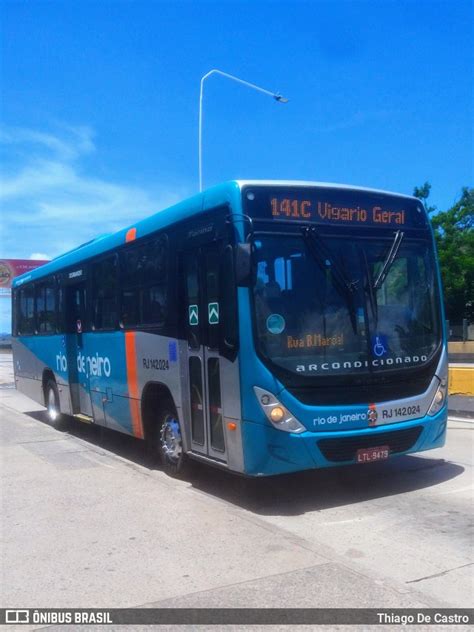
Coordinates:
132	381
131	234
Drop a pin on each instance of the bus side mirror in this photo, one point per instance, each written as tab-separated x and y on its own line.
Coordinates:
242	264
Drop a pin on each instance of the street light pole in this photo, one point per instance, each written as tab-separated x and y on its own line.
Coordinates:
274	95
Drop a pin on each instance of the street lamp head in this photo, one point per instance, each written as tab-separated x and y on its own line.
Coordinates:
276	96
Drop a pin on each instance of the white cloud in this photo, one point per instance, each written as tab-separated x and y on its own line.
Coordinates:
51	203
38	256
77	140
49	200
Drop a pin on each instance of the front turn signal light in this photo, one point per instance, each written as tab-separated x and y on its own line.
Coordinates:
279	416
277	413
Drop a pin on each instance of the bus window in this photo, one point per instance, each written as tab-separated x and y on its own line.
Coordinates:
143	295
192	301
154	305
212	296
45	307
215	405
26	321
104	293
130	314
196	398
157	260
130	307
60	324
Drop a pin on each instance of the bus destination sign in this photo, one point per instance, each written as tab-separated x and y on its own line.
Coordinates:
335	207
325	211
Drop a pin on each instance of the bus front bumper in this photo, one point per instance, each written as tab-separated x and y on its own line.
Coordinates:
269	451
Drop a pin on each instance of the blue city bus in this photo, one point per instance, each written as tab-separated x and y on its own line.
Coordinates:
263	327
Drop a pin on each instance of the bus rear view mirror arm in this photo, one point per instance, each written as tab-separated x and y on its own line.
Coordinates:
242	264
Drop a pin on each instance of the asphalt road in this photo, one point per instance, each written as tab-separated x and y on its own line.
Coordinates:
88	521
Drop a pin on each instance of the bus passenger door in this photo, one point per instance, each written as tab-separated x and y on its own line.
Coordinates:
76	357
201	278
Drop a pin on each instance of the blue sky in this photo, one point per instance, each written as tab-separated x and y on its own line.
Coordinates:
100	105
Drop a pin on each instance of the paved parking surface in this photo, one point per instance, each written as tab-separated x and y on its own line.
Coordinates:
88	521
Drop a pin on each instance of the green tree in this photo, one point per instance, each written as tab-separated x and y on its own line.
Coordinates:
454	234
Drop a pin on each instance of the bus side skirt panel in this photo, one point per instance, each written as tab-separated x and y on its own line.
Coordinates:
33	355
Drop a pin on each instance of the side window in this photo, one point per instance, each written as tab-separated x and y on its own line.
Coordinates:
46	307
212	298
154	305
144	283
193	298
26	321
60	326
104	293
192	280
130	307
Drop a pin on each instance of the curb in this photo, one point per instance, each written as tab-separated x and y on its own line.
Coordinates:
468	415
461	380
460	420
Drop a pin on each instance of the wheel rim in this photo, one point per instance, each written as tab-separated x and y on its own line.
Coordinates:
171	443
53	411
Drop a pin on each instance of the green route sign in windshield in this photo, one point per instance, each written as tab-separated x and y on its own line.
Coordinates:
332	206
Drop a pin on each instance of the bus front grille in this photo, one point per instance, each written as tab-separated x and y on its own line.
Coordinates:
345	449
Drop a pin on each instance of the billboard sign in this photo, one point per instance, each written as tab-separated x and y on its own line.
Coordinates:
11	268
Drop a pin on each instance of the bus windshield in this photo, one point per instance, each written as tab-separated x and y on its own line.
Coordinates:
335	305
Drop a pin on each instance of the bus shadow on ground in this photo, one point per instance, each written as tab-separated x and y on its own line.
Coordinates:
317	490
122	445
286	494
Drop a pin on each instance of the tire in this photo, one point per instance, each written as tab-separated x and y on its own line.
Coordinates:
53	409
168	445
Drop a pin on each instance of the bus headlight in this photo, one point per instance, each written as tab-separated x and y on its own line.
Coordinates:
440	398
279	416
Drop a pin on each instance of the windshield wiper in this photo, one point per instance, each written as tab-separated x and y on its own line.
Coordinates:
321	254
369	288
387	264
324	258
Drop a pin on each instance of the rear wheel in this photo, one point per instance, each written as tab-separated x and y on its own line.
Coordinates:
169	444
53	408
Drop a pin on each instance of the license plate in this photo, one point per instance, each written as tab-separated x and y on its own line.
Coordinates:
367	455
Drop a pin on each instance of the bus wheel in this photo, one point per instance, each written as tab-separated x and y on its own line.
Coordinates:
53	409
170	445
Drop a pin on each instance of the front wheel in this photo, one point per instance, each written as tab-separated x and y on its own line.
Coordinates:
169	445
53	409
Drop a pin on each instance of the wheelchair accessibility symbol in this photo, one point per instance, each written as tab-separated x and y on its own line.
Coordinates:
379	346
